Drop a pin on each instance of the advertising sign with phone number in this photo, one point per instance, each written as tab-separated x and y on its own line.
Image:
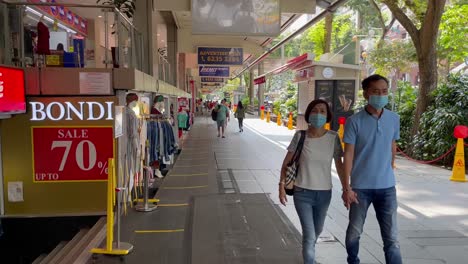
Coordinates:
71	153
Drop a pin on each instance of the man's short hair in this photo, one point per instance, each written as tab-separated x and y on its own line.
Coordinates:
373	78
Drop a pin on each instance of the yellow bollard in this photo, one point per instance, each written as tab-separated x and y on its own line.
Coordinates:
327	126
290	121
278	119
341	121
262	114
268	117
111	247
458	170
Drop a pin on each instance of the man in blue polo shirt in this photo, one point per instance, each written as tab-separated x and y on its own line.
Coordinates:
370	150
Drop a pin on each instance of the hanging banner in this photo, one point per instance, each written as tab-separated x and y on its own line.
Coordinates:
260	80
211	79
64	15
220	56
209	71
72	153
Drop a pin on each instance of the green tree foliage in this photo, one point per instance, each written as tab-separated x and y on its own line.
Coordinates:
405	104
447	110
367	17
313	39
452	45
125	6
393	56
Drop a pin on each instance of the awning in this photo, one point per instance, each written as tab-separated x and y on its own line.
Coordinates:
299	62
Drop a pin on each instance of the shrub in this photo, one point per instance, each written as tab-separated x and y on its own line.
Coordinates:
449	108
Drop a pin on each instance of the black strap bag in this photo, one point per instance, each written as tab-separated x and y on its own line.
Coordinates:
292	168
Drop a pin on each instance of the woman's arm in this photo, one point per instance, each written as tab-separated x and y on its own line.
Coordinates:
282	183
339	165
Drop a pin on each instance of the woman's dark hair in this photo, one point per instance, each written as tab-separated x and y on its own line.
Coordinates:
60	47
239	105
313	104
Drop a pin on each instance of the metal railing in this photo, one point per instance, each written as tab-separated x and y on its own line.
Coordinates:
121	47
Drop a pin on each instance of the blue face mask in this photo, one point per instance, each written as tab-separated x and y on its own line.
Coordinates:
317	120
378	101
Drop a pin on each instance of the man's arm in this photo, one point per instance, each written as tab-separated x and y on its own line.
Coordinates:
348	163
394	151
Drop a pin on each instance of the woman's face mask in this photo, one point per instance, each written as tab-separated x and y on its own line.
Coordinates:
317	120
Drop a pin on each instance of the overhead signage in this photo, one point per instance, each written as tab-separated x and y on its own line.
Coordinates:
64	15
74	153
211	79
260	80
69	111
210	84
210	71
228	17
220	56
304	74
12	94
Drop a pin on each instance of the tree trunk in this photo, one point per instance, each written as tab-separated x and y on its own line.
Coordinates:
328	32
428	83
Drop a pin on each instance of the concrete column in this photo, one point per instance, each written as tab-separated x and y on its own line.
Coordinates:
261	87
172	53
251	88
143	20
181	73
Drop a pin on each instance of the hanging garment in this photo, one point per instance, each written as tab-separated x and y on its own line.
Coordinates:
182	119
43	37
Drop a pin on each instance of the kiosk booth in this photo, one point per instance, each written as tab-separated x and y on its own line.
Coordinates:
329	79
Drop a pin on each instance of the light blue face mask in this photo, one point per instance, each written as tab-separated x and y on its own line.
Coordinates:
378	101
317	120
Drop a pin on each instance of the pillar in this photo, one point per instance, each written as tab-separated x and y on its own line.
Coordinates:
261	87
143	20
172	53
251	88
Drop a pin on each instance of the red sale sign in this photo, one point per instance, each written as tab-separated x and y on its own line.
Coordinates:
71	153
12	99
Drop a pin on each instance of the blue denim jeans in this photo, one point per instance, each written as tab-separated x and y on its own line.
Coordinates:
312	207
385	205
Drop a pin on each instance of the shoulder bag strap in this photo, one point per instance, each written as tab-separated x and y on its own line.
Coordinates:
301	144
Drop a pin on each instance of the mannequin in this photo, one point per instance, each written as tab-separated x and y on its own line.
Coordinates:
43	37
132	155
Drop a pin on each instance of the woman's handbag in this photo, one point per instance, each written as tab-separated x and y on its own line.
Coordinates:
292	167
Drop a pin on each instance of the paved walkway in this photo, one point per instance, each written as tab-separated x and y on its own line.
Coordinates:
221	206
432	214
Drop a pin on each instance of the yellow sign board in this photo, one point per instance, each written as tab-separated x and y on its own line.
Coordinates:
53	60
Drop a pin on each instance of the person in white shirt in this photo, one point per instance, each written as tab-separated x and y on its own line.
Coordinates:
313	183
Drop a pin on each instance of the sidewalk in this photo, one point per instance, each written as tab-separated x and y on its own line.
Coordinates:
432	214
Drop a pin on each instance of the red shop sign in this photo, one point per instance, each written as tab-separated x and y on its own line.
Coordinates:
260	80
12	98
71	154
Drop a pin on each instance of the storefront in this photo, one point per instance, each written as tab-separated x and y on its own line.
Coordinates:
55	148
54	36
